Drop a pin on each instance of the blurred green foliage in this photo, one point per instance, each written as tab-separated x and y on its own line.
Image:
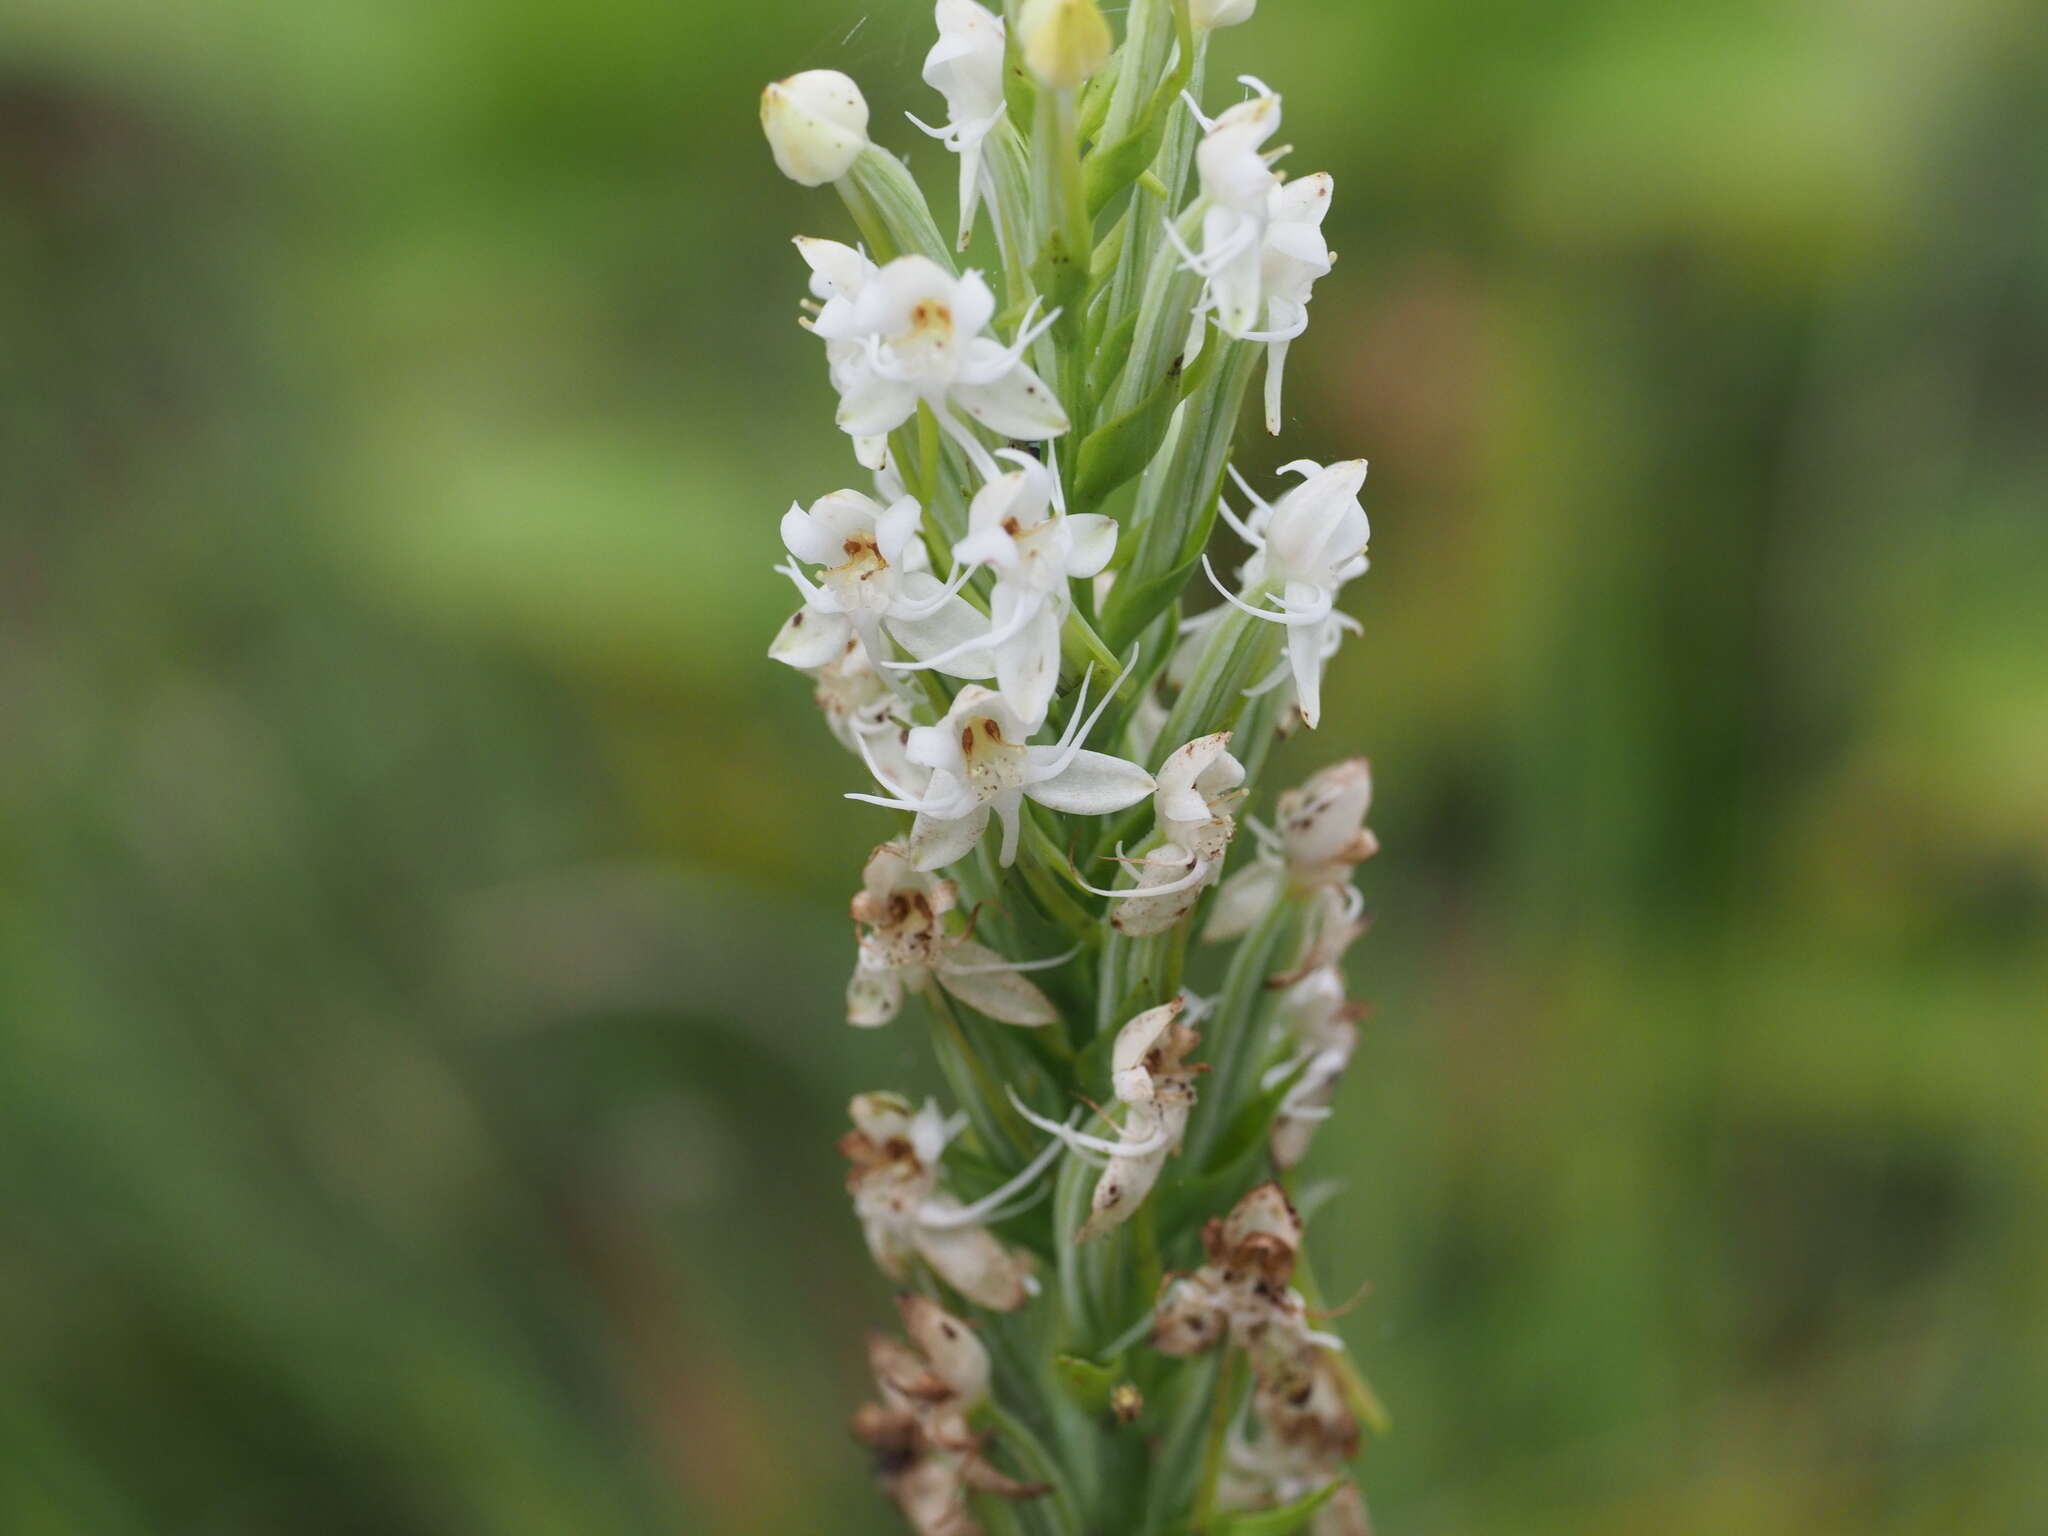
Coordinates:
421	902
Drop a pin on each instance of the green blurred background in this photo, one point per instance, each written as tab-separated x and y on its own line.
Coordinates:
421	903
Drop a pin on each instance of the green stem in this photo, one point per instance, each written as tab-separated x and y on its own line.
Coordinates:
1221	1409
1233	1029
1038	1461
881	247
971	1082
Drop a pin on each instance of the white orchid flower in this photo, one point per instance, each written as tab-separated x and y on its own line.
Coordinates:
1333	920
1291	257
855	698
1321	837
1306	1433
872	571
908	948
1151	1077
1198	785
838	273
1321	1028
981	762
966	67
1304	548
1241	1294
897	1157
1237	183
919	331
1017	529
863	711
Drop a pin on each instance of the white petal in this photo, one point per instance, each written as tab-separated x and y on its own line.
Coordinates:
1305	655
1244	898
1002	995
838	270
934	843
873	406
811	637
896	527
1018	404
1094	544
1094	784
802	537
1276	374
975	1264
1028	663
1305	199
955	623
973	305
1140	916
873	997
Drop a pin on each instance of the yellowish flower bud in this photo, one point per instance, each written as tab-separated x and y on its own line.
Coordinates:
1211	14
1064	41
817	124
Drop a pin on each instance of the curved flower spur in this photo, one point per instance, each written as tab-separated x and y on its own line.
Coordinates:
1005	629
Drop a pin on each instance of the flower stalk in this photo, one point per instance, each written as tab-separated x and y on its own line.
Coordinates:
1057	633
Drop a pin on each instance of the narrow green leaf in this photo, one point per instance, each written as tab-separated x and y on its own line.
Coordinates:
1283	1520
1118	451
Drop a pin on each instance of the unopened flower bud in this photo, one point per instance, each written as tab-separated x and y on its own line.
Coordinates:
1065	41
1126	1402
1208	15
817	125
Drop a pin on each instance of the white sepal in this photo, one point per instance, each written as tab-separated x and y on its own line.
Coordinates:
817	125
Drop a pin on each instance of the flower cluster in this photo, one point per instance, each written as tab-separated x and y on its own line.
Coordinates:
927	1454
1303	1427
1060	727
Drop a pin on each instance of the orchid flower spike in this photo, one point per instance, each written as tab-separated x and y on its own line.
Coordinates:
919	330
1322	836
817	125
872	573
1305	548
1016	529
907	947
981	762
896	1155
966	67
